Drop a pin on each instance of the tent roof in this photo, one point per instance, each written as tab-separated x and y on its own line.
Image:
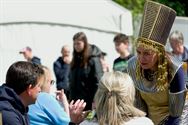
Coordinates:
100	14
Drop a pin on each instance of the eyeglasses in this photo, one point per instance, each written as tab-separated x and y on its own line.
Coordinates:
52	82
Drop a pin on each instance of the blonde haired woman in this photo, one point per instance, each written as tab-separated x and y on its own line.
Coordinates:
114	102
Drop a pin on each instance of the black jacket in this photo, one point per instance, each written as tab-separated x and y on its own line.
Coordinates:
11	107
185	55
61	70
36	60
84	80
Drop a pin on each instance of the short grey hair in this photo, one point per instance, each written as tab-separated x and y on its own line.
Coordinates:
177	35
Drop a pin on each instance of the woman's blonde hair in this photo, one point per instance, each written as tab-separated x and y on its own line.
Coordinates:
46	75
114	99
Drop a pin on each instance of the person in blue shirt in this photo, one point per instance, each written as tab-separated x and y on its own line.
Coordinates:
49	110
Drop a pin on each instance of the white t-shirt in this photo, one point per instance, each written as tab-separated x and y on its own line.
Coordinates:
134	121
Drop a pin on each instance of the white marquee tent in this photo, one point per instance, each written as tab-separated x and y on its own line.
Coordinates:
46	25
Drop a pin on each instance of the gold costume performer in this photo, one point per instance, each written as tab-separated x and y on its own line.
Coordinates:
158	77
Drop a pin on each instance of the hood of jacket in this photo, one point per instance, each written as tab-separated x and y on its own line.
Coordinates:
9	100
94	51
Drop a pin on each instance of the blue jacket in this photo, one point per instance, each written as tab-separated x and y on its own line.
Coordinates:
61	70
47	111
11	107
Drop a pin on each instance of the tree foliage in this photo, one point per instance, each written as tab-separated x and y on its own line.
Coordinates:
180	6
136	6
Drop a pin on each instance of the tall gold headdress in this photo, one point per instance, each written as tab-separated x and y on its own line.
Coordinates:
156	24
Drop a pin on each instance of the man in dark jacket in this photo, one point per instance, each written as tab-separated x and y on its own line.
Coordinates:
28	55
23	81
62	69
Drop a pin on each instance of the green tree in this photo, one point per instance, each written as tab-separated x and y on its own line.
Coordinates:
136	6
180	6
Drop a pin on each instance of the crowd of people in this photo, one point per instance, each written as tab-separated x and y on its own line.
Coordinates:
148	88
